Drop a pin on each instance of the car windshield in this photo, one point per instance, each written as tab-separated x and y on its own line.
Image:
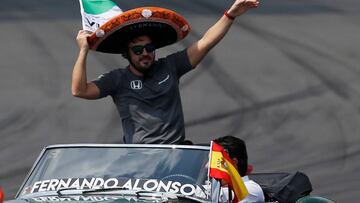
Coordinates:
159	169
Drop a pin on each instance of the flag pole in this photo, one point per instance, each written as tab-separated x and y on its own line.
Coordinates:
230	194
209	164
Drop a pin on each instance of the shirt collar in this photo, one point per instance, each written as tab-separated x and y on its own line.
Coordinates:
245	178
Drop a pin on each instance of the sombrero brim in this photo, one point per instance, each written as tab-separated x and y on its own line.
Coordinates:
164	27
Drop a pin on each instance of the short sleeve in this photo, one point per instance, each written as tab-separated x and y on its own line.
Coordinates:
108	83
180	62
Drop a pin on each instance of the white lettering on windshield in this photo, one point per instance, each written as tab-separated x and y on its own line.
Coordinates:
130	184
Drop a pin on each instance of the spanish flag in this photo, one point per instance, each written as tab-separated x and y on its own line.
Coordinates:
222	167
1	195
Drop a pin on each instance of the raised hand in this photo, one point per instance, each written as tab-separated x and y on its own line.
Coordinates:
241	6
82	39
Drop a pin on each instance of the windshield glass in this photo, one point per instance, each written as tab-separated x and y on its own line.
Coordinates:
182	171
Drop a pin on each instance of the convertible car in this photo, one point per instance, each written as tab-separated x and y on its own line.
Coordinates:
91	173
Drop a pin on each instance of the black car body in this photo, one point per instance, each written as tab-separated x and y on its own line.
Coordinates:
104	173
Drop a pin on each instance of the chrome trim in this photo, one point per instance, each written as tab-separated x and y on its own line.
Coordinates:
31	171
164	146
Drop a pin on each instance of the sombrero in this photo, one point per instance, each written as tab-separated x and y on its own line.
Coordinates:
163	26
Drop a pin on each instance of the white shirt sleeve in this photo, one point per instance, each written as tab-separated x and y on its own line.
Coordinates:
256	194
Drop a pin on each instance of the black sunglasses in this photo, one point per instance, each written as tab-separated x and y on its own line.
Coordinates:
138	50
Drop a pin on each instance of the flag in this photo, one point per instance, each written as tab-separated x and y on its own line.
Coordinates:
96	12
222	167
1	195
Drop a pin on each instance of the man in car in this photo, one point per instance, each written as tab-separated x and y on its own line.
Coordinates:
146	92
236	149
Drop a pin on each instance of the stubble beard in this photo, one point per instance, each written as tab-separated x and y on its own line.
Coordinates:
141	66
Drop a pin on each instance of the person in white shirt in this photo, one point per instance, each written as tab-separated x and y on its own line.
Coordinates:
236	149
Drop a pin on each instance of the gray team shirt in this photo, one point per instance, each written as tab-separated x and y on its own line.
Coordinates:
150	106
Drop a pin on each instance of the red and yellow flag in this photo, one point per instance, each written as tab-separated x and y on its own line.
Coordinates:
222	167
1	195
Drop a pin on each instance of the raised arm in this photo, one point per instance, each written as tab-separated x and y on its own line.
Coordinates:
79	85
199	49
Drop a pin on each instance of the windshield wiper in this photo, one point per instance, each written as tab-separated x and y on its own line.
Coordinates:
104	190
164	196
142	194
139	194
59	192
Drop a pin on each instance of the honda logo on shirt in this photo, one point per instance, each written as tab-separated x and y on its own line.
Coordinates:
136	84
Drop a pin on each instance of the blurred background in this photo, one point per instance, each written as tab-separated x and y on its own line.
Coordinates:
286	79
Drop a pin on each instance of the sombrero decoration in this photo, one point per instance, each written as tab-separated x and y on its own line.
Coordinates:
164	27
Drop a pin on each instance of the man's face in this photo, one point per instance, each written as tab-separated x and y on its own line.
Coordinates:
141	53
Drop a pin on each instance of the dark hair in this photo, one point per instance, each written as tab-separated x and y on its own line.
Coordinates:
125	54
237	149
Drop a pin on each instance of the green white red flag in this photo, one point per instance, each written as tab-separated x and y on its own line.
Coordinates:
96	12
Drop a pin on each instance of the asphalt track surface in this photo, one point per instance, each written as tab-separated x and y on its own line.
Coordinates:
285	79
